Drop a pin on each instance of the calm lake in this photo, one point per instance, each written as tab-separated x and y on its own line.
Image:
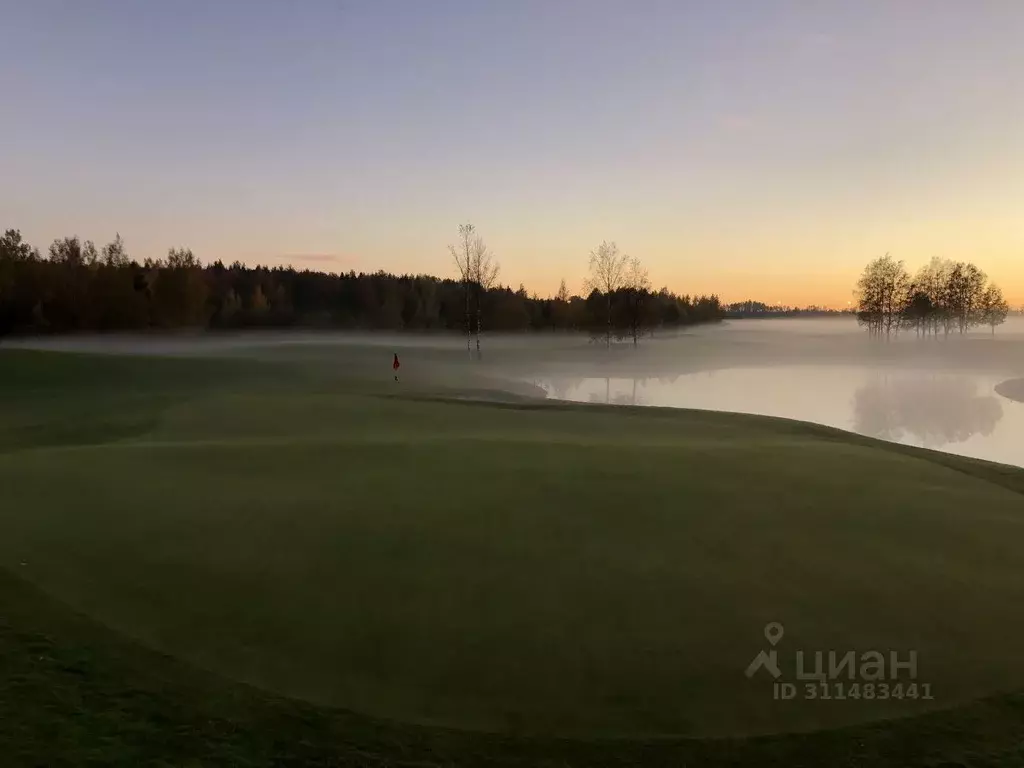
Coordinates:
937	394
948	410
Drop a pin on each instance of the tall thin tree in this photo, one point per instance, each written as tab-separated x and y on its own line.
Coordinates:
463	257
638	287
607	275
882	295
484	270
994	308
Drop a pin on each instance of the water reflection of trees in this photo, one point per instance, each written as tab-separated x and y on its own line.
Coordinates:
560	388
934	410
628	397
617	390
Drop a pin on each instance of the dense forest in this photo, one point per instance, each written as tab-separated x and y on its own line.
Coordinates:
76	287
755	309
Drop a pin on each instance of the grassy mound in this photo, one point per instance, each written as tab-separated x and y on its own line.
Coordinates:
1012	389
526	569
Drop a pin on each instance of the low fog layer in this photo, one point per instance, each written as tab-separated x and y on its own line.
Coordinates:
764	342
958	393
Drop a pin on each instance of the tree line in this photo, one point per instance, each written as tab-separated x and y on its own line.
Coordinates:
753	309
942	297
76	286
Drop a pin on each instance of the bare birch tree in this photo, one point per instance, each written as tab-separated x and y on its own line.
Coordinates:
563	293
882	294
638	285
994	308
929	291
607	275
965	286
463	257
484	270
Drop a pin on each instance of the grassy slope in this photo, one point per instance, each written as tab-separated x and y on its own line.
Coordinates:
1012	389
288	530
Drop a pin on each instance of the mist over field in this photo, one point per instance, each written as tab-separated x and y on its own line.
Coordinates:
957	394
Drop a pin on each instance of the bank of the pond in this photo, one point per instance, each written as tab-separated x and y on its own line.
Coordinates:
1012	389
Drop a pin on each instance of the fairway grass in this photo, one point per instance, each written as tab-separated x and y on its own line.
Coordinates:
301	563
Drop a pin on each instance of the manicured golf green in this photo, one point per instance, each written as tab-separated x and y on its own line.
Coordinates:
387	572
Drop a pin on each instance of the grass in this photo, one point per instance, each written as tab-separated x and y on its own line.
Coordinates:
233	562
1012	389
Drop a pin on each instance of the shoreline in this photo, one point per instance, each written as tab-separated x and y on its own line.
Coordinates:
1012	389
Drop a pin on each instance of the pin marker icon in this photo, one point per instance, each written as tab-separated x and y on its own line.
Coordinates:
773	632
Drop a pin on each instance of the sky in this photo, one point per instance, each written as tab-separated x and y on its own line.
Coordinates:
753	148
